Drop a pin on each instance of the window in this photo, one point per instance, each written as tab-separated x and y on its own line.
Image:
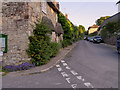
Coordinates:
44	7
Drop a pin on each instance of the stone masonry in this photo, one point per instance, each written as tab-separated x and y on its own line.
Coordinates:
17	19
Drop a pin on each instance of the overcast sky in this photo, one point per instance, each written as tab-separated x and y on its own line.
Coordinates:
86	13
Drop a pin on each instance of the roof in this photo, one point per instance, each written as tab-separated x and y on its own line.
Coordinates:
59	29
48	22
94	26
118	2
53	6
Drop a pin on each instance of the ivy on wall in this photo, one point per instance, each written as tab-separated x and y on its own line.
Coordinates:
71	33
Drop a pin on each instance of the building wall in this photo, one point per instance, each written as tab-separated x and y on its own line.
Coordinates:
16	23
92	30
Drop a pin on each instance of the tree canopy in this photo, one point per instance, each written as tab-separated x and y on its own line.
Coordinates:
101	20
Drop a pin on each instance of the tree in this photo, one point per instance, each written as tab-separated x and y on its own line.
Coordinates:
82	31
101	20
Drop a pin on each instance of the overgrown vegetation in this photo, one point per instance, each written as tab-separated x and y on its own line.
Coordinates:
41	49
110	29
71	33
101	20
68	30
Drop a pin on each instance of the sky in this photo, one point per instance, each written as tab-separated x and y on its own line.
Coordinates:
86	13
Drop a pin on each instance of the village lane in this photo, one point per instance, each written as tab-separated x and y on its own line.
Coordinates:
89	65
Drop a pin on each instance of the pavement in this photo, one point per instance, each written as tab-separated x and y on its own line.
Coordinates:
112	46
39	69
88	65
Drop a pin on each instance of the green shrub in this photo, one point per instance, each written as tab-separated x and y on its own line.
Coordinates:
55	48
108	30
40	48
66	42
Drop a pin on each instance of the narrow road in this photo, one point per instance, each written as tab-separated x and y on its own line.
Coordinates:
89	65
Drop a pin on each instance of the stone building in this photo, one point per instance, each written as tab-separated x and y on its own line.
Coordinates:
118	5
93	29
17	18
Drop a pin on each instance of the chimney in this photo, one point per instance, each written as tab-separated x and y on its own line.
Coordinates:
66	15
58	6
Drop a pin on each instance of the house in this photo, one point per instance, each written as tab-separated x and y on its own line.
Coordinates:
17	18
93	29
118	6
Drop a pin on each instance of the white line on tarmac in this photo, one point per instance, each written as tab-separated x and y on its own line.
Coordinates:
73	72
68	80
88	84
79	77
57	65
74	85
83	79
62	61
64	74
64	64
59	69
67	67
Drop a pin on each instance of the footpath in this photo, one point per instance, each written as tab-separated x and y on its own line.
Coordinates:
50	65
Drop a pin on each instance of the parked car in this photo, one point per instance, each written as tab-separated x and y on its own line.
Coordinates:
88	39
118	44
97	39
91	39
85	37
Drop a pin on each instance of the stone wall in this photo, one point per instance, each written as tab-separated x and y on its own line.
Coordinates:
16	23
111	40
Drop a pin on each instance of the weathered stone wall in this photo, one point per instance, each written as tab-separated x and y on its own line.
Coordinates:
16	23
111	40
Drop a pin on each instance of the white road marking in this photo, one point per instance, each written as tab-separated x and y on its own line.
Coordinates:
74	85
83	79
79	77
59	69
64	74
64	64
57	65
74	73
88	85
68	80
62	61
67	67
